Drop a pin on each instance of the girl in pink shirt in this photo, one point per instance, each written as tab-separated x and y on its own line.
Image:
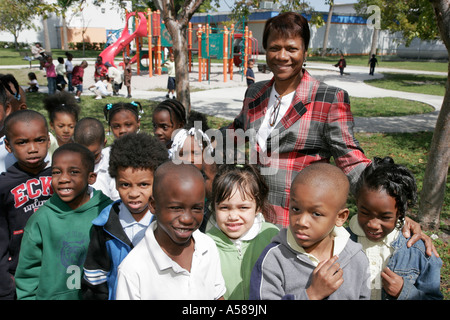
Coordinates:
50	74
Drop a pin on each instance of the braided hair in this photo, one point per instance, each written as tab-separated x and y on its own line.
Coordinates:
397	180
176	110
110	109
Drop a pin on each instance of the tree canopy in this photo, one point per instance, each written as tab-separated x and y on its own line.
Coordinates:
412	18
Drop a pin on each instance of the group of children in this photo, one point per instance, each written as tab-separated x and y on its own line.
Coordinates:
109	79
105	84
55	75
147	218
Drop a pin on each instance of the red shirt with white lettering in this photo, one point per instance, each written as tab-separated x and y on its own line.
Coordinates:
21	194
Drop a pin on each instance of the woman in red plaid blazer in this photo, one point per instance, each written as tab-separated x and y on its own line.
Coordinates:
296	120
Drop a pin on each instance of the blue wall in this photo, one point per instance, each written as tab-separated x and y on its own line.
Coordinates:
265	15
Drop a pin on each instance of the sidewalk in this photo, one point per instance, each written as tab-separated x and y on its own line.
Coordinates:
224	99
354	84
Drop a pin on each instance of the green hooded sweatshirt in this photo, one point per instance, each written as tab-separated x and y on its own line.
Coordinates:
54	247
237	259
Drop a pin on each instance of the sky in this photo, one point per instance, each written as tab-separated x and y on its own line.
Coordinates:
318	5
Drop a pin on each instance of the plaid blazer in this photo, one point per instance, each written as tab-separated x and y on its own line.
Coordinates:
318	125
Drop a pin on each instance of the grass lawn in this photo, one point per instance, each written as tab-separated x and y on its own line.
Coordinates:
427	84
361	107
10	56
410	149
387	107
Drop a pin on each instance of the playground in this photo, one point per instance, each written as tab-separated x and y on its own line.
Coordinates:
405	138
147	41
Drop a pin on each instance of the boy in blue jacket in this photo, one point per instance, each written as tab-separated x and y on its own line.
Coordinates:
133	160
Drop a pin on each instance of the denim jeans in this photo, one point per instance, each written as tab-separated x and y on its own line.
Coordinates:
51	84
69	81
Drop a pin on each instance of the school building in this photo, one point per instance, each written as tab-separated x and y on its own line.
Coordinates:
349	33
90	22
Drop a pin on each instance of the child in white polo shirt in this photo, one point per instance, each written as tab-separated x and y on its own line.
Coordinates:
121	226
174	260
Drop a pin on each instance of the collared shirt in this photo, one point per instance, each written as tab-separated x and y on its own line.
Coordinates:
135	230
148	273
378	254
266	128
340	235
6	159
318	125
104	181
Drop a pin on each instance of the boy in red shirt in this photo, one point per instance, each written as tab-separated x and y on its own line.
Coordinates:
77	78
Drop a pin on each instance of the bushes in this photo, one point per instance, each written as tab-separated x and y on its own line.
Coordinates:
329	52
87	46
6	44
72	45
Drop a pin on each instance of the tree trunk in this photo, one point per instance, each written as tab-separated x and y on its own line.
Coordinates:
64	33
16	42
179	39
47	45
373	48
177	25
327	30
434	185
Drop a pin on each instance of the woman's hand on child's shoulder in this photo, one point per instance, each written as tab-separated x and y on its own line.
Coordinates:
413	227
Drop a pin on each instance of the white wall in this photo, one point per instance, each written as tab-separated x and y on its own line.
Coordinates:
111	17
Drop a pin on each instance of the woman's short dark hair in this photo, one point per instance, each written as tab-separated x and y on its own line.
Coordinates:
287	24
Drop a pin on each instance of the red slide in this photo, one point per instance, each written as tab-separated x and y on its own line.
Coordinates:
141	31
